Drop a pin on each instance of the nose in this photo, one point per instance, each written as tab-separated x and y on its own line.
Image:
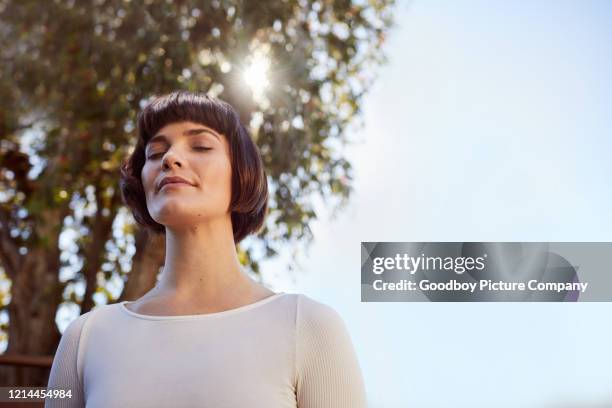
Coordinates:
170	159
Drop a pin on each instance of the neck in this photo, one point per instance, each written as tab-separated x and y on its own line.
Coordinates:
201	262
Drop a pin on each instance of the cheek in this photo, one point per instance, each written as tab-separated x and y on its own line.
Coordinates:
220	178
227	173
146	178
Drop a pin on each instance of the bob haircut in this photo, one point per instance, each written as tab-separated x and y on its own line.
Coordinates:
249	197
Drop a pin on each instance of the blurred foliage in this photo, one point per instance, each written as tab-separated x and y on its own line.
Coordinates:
74	74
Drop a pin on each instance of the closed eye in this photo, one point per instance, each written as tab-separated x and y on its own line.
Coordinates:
156	155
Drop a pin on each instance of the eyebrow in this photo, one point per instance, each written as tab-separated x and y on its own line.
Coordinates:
188	132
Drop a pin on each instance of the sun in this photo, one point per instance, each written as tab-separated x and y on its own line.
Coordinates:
256	74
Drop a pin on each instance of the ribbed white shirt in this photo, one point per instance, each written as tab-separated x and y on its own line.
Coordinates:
286	350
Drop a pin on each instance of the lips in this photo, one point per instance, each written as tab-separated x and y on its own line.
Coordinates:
171	180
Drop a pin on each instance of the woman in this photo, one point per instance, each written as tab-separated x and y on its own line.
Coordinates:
207	335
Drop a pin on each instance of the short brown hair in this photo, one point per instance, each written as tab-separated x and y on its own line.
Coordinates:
249	201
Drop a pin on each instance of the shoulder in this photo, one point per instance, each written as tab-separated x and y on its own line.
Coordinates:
75	336
75	330
315	318
75	327
327	370
311	308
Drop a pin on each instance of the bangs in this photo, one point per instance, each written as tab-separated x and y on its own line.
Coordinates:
182	106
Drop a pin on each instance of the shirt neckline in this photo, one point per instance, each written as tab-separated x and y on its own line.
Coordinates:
201	315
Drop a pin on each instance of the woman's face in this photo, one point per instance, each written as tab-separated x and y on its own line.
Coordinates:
197	154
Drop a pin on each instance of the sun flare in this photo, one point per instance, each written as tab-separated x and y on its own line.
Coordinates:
256	75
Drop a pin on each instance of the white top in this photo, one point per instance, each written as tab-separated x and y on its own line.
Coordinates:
286	350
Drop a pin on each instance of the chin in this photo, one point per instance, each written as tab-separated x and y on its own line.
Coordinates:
179	216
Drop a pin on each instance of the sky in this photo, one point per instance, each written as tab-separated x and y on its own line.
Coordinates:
490	122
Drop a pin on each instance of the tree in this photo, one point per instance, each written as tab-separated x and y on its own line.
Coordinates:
74	74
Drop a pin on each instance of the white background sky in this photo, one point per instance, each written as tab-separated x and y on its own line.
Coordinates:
491	122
